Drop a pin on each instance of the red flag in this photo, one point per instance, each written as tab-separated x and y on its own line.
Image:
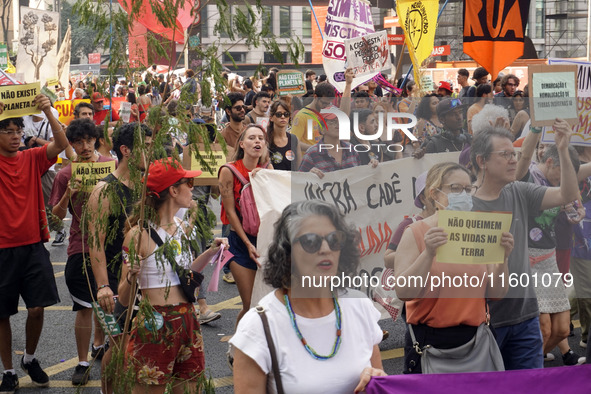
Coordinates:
494	31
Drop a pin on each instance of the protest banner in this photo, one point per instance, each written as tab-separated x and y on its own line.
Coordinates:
344	20
494	32
3	56
63	59
94	58
291	82
552	94
37	51
19	100
473	237
65	108
125	114
582	128
263	122
573	379
419	22
368	54
374	200
88	174
215	160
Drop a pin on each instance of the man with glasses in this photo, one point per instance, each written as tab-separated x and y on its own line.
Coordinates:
24	261
67	195
515	317
509	84
236	112
453	137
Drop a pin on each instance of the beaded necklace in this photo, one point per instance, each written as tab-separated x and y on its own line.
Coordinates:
308	348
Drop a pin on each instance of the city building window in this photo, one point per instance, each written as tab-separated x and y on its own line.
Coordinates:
268	19
239	57
284	21
204	24
306	22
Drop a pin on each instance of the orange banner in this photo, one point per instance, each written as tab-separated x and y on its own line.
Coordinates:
494	32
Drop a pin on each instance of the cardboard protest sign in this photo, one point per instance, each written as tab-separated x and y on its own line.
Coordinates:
6	79
368	54
473	237
344	20
373	200
125	108
263	122
552	94
88	174
582	128
19	100
291	82
107	321
65	108
215	160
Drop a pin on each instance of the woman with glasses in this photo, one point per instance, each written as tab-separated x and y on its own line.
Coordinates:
284	148
165	345
251	156
325	341
444	317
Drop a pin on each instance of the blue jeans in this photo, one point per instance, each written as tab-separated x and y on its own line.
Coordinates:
521	345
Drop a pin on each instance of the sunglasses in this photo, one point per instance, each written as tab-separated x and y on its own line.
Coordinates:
239	107
312	243
282	114
189	181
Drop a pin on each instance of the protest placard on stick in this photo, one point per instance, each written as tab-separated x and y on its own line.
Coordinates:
369	53
88	174
291	82
215	161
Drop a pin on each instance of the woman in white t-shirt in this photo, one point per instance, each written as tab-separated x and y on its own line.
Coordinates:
326	342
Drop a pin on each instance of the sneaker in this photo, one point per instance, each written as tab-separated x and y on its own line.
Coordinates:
60	237
80	376
571	358
209	317
582	361
549	357
9	383
583	344
33	369
97	353
228	278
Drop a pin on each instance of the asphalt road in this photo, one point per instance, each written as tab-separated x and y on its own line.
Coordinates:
57	350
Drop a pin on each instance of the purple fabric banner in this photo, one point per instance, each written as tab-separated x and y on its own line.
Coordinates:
572	380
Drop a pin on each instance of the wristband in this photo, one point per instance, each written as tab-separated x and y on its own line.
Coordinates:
102	287
536	130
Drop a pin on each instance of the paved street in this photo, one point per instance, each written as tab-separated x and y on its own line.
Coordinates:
57	352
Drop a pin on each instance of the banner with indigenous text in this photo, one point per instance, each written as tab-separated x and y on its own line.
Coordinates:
418	20
494	31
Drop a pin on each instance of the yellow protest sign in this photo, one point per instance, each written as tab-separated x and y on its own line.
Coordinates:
88	174
215	161
19	100
473	237
65	108
418	19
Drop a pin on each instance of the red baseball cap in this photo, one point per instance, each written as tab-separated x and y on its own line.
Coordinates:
165	173
445	85
96	96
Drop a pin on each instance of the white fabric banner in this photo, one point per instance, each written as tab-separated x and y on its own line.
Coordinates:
375	200
37	49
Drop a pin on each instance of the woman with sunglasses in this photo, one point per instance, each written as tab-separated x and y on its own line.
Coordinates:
325	341
284	148
165	345
444	317
251	156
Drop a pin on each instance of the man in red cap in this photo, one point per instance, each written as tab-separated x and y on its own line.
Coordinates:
100	113
444	89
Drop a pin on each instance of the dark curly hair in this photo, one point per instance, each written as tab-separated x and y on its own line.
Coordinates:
278	272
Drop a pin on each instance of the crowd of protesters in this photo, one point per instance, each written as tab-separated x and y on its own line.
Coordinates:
547	192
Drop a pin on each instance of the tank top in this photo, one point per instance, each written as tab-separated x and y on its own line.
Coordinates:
158	272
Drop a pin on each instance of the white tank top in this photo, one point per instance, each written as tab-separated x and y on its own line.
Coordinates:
159	273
